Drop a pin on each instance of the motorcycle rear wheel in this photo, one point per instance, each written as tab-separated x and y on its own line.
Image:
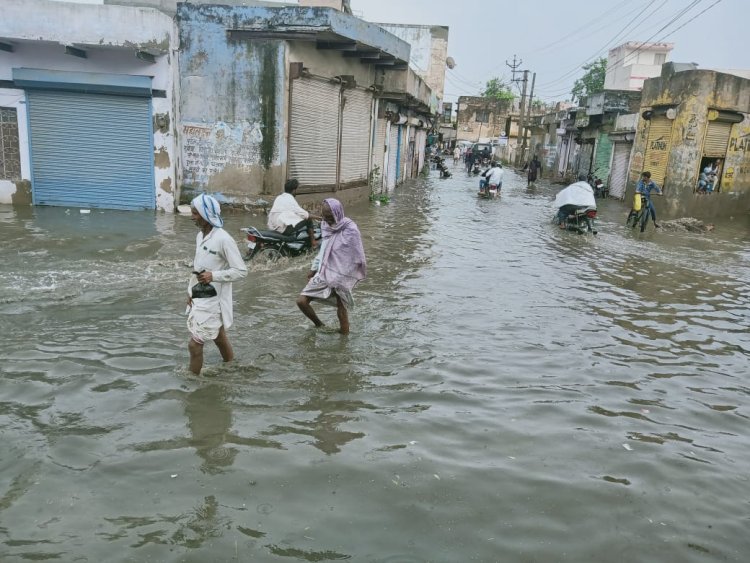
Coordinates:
269	255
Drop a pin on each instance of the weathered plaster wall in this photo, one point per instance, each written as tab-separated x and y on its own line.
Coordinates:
232	106
110	35
692	94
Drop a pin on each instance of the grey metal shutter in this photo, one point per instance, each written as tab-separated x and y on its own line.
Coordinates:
584	160
619	173
378	149
392	156
403	152
313	132
91	150
717	139
657	148
355	136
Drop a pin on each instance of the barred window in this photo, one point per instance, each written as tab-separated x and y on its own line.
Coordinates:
483	116
10	154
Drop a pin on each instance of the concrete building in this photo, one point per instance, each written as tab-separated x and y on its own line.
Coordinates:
429	52
687	120
481	119
269	93
87	106
629	64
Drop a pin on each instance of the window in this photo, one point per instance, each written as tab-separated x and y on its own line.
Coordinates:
660	58
10	156
483	116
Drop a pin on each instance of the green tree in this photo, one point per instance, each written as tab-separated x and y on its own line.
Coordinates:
592	81
498	90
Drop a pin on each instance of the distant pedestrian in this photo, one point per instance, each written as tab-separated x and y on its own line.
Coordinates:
534	168
469	159
338	267
456	156
216	265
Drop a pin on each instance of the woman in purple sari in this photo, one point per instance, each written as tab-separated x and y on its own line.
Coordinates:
338	267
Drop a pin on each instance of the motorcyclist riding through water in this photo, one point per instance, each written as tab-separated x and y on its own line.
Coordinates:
492	178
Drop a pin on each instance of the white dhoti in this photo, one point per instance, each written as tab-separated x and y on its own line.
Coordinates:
204	319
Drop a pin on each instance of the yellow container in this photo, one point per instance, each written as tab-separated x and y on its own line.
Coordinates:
637	202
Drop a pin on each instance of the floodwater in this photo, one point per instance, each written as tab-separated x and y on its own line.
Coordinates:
509	392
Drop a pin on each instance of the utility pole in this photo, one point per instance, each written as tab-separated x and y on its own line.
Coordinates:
521	130
528	113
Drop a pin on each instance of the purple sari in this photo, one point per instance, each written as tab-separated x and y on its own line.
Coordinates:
343	263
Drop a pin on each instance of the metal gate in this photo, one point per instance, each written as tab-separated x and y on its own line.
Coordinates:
657	148
91	150
584	158
378	149
393	137
717	139
314	132
619	174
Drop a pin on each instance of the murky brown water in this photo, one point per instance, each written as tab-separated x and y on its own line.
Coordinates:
509	393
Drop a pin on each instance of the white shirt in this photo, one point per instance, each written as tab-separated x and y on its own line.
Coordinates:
494	176
218	253
285	211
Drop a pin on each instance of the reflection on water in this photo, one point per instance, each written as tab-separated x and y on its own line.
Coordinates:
509	392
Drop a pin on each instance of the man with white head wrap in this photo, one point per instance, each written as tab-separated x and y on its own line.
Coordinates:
216	265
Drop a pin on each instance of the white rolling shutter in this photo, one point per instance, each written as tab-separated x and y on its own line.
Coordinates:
314	132
717	139
619	173
355	136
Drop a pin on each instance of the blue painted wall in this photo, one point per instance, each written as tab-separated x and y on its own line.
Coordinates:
232	106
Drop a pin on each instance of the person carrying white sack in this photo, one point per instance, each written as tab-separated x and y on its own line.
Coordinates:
216	265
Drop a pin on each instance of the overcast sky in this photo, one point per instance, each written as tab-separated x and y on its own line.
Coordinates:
554	38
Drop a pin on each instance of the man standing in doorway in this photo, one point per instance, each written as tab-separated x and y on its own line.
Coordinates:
216	265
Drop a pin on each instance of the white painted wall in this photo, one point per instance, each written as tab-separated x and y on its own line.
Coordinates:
16	99
110	35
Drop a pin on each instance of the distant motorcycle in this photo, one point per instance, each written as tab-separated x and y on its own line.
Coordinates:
441	166
271	245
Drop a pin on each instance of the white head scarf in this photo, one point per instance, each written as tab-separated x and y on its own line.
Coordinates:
209	209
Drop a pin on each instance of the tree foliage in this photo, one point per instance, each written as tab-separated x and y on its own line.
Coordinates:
498	90
592	81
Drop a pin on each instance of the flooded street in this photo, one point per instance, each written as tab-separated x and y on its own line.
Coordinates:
509	392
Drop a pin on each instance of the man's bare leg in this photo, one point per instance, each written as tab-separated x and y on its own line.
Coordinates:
343	316
196	356
225	348
303	302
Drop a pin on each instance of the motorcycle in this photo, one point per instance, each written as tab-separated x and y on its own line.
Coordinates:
580	220
576	208
490	191
272	245
441	166
600	190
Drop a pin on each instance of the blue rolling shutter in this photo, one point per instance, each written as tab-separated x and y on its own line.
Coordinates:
91	150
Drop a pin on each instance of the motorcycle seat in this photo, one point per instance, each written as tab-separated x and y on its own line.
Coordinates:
274	235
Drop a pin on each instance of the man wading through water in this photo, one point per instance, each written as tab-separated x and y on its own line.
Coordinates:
337	268
216	265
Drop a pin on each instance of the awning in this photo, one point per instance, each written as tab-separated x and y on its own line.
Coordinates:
88	82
